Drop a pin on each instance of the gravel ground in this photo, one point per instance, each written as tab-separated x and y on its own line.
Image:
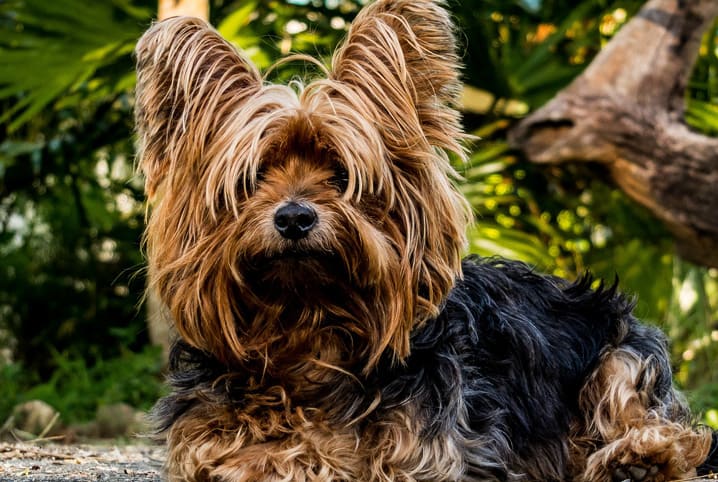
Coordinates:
83	463
79	463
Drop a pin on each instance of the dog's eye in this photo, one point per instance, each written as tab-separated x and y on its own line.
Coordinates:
259	177
340	178
261	173
249	185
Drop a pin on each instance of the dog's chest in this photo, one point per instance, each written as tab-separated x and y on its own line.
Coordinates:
303	447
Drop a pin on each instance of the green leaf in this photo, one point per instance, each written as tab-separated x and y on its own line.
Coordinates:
236	21
702	116
62	46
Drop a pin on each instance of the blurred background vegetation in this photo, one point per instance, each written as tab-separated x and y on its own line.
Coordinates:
72	324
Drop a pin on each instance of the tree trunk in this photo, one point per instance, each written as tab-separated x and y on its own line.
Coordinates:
626	111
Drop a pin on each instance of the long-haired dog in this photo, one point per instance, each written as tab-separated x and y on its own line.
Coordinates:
307	242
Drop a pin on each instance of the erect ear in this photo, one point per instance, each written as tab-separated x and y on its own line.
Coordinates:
400	57
188	79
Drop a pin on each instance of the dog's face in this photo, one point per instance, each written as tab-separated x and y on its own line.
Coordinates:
286	219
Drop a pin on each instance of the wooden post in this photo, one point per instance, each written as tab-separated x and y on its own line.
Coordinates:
174	8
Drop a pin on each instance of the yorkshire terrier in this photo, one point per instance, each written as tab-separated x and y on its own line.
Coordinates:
308	241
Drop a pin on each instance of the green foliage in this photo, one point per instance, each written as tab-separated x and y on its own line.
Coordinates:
702	94
71	221
71	210
78	386
569	220
64	44
13	380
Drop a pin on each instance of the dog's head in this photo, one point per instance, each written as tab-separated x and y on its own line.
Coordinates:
286	217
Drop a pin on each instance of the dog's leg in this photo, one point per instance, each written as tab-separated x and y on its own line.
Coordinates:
214	444
637	427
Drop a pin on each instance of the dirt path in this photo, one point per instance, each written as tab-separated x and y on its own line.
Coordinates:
79	463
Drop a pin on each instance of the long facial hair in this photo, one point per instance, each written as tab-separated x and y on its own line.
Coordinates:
366	147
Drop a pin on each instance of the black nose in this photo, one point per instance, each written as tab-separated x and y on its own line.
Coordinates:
294	221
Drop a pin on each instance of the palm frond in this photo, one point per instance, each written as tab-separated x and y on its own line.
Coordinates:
48	49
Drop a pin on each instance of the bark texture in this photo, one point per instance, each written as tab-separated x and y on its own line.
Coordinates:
626	111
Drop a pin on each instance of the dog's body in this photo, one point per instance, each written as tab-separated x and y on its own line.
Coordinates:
308	245
509	382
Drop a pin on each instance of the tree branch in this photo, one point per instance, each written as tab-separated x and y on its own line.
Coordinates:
626	111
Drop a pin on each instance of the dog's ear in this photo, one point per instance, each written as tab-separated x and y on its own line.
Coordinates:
188	79
398	68
400	57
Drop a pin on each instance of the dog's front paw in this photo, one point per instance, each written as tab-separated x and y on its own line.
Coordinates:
652	453
638	473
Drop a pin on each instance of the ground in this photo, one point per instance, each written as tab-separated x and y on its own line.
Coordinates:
83	463
79	463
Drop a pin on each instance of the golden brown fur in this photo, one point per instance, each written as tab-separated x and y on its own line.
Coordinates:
393	80
289	445
625	426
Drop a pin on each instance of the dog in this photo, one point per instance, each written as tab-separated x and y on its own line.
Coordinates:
307	241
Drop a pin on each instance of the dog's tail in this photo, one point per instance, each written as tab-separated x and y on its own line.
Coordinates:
710	466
